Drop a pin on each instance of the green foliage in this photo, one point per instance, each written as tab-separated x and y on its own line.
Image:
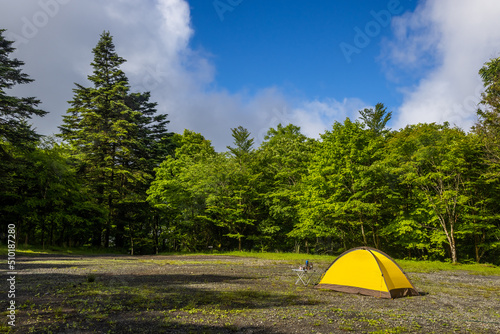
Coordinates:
120	179
17	138
14	111
49	205
231	196
283	159
376	120
179	192
242	141
117	141
344	191
431	161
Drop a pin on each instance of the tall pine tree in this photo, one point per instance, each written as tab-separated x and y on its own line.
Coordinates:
17	137
117	139
14	111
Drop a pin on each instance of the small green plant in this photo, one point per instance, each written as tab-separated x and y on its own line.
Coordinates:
58	313
91	278
5	329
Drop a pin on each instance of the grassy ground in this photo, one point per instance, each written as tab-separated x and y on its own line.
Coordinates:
237	293
407	265
38	251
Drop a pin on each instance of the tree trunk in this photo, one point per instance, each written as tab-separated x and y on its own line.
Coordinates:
343	240
363	233
476	248
98	228
62	237
453	253
110	197
156	223
451	239
51	236
131	238
453	247
107	235
376	240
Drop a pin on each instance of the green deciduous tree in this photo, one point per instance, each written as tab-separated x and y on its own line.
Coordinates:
488	125
49	205
231	203
180	190
481	215
343	195
488	130
432	160
283	160
231	200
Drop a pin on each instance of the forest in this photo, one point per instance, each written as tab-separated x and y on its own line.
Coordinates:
116	177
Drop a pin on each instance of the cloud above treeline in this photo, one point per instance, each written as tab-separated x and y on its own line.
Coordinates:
55	39
446	42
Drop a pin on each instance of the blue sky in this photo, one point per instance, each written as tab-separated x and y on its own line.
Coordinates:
213	65
296	45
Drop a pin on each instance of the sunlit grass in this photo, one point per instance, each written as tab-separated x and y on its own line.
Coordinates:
432	266
37	250
406	265
295	258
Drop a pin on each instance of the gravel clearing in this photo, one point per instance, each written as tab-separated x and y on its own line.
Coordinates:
225	294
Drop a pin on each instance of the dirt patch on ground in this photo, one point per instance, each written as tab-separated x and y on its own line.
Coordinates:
224	294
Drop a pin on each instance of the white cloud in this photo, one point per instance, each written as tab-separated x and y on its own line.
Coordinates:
447	42
154	37
317	116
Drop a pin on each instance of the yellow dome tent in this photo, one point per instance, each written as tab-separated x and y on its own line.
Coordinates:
367	271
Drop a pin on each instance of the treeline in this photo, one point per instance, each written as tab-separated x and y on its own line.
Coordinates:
115	177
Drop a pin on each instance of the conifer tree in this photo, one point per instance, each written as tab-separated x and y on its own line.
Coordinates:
17	137
376	120
243	143
116	137
14	111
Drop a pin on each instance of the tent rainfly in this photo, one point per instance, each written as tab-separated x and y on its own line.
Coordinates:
367	271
